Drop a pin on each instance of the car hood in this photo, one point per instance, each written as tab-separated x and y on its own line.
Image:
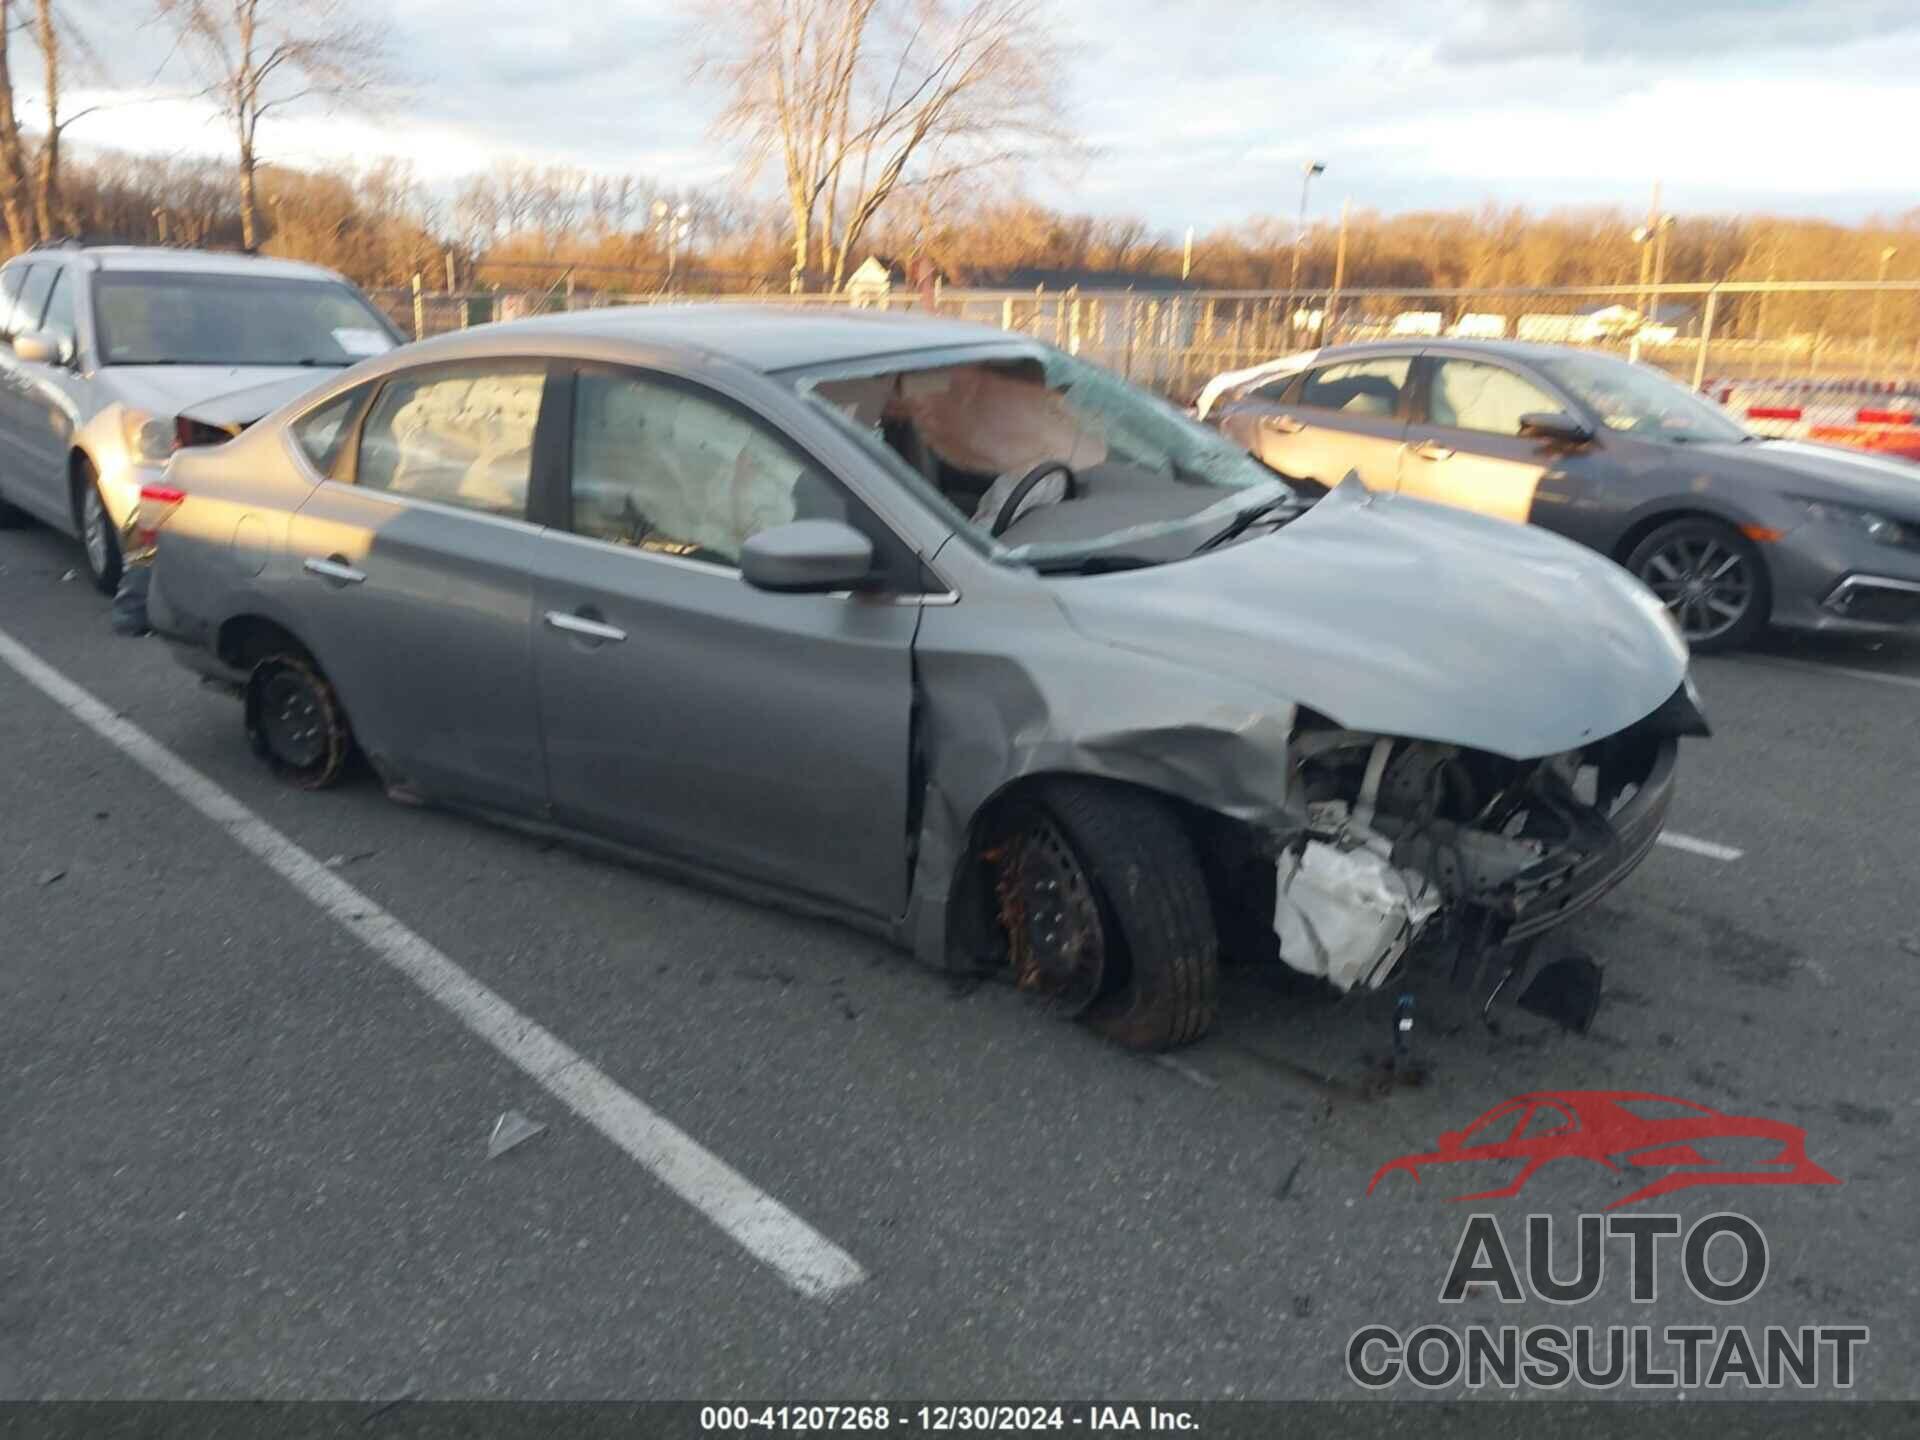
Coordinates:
1828	472
1391	615
221	395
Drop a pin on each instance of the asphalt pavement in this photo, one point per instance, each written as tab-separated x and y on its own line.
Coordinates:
244	1150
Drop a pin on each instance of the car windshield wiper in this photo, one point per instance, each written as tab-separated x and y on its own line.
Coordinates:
316	360
1245	521
1091	564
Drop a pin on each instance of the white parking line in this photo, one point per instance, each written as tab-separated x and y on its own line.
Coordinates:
1909	682
805	1259
1713	850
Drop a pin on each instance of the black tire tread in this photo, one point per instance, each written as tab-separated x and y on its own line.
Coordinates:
1154	893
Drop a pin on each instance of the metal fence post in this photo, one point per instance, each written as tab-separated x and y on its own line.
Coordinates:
1706	337
1006	313
419	308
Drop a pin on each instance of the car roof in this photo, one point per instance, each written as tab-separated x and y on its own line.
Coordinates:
150	258
1521	350
759	337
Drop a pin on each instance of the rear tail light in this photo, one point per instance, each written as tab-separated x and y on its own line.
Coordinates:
156	507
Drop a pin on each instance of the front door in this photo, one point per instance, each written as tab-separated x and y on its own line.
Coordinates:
34	427
411	583
688	713
1464	446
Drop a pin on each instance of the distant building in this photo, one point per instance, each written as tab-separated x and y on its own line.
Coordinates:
1474	326
870	283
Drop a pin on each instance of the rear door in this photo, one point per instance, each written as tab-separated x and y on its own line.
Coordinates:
1464	446
1342	416
411	580
688	713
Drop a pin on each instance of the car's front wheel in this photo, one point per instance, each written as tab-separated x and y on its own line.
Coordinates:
1106	913
1711	579
97	535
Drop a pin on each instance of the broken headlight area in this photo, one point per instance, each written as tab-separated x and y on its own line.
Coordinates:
1423	853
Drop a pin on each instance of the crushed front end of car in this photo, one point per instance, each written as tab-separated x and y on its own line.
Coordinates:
1414	852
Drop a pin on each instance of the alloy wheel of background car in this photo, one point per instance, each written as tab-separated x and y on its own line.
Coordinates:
102	546
1710	579
295	723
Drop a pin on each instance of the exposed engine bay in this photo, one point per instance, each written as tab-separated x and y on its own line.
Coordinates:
1414	847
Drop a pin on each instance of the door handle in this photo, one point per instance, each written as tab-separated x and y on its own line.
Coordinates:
336	569
584	626
1285	424
1427	450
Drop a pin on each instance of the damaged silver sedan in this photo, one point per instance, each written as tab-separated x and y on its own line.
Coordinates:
941	632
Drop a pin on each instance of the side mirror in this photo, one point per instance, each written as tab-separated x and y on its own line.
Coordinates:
1554	425
1450	1139
807	557
36	347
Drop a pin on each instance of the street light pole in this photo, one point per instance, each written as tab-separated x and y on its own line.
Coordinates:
1307	172
1873	325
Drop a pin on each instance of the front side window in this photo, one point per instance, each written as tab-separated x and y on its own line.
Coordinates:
57	323
1358	387
457	435
1489	398
190	318
33	298
666	468
10	287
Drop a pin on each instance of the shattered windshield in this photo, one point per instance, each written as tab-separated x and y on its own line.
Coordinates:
1044	459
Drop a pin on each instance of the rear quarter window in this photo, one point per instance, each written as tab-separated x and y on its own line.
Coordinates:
321	432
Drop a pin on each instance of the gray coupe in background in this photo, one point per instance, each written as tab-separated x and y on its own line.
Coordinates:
1731	531
940	631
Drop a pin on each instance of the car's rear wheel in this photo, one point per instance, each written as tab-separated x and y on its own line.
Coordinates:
1711	579
1106	913
12	516
295	722
97	537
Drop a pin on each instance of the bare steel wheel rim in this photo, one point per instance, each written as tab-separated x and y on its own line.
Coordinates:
93	529
1706	585
295	725
1047	908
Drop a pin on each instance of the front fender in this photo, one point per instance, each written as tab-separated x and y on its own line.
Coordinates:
987	722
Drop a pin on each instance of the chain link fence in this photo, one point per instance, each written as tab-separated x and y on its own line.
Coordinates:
1173	341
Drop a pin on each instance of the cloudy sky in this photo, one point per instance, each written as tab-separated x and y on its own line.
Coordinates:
1201	112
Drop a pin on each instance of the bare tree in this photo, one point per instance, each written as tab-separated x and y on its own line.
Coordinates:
859	99
257	57
15	203
52	32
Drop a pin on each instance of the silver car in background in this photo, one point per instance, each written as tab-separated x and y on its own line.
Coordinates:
116	356
942	632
